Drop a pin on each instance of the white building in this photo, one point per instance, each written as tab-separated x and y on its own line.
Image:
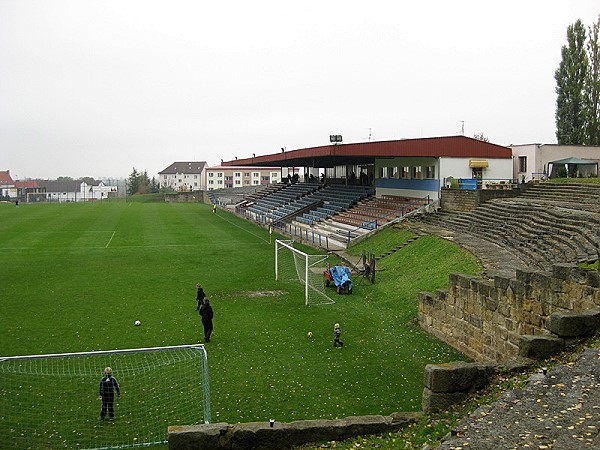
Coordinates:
220	177
183	176
534	161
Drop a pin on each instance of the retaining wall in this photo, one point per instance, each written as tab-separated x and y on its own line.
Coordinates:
279	435
493	320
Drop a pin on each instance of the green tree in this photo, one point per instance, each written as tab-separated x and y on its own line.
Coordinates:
481	137
570	79
133	182
592	87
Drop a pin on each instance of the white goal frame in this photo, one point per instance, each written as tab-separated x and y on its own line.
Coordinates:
27	365
303	264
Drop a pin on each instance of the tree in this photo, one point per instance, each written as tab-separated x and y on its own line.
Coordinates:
570	82
133	182
592	87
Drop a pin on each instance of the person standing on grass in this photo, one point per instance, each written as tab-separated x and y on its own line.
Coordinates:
108	387
336	336
200	296
206	312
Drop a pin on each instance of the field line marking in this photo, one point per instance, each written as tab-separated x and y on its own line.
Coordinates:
247	231
110	240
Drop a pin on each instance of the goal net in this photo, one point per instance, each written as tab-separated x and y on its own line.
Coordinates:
292	264
53	401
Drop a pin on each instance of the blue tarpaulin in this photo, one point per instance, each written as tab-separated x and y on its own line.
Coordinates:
341	275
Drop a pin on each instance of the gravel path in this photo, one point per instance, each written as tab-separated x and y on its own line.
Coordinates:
559	410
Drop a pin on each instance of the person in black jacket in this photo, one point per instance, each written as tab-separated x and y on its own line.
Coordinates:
108	386
206	312
200	296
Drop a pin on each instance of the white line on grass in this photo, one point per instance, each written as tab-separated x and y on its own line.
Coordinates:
110	240
243	229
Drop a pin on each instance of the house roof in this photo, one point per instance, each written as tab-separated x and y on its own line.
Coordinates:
60	186
26	184
184	167
367	152
5	177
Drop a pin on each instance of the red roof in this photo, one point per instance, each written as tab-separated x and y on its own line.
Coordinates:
5	177
26	184
366	152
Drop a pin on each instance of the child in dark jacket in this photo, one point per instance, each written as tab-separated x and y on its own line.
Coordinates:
336	336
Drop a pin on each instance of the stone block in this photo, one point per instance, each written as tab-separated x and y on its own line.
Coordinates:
539	347
501	282
562	271
435	401
573	324
455	376
191	437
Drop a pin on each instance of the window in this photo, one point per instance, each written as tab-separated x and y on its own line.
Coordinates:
522	163
238	174
417	172
246	174
220	182
405	173
210	174
238	182
383	172
264	178
394	172
430	172
254	181
211	182
256	174
220	175
273	174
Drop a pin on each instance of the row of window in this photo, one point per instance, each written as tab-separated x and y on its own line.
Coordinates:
408	172
239	174
237	182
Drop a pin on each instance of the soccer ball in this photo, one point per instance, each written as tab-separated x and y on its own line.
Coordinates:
137	323
309	334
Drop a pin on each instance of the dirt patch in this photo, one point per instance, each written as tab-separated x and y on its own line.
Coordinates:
261	293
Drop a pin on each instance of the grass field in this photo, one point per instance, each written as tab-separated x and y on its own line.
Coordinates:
76	276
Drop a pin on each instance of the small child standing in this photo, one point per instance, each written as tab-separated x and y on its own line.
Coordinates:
336	335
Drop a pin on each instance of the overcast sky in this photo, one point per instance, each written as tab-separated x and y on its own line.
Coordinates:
96	88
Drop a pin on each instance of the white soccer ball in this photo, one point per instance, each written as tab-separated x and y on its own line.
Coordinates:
137	323
310	334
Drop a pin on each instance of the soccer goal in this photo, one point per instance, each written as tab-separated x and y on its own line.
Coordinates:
53	401
295	265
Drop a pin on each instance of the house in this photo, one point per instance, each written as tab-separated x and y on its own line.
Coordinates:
30	191
538	161
74	191
183	176
7	185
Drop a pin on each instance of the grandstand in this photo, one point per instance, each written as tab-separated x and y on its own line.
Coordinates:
545	225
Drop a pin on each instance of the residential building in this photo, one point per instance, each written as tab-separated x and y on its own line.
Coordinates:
220	177
183	176
7	185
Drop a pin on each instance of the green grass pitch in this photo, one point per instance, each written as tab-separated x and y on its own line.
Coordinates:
75	277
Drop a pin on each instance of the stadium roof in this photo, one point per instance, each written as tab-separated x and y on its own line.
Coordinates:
366	152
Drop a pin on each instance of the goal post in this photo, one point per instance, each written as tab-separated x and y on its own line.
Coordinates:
53	401
295	265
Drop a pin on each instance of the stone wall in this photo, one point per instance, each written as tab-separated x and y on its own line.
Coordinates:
464	200
491	320
187	197
281	435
